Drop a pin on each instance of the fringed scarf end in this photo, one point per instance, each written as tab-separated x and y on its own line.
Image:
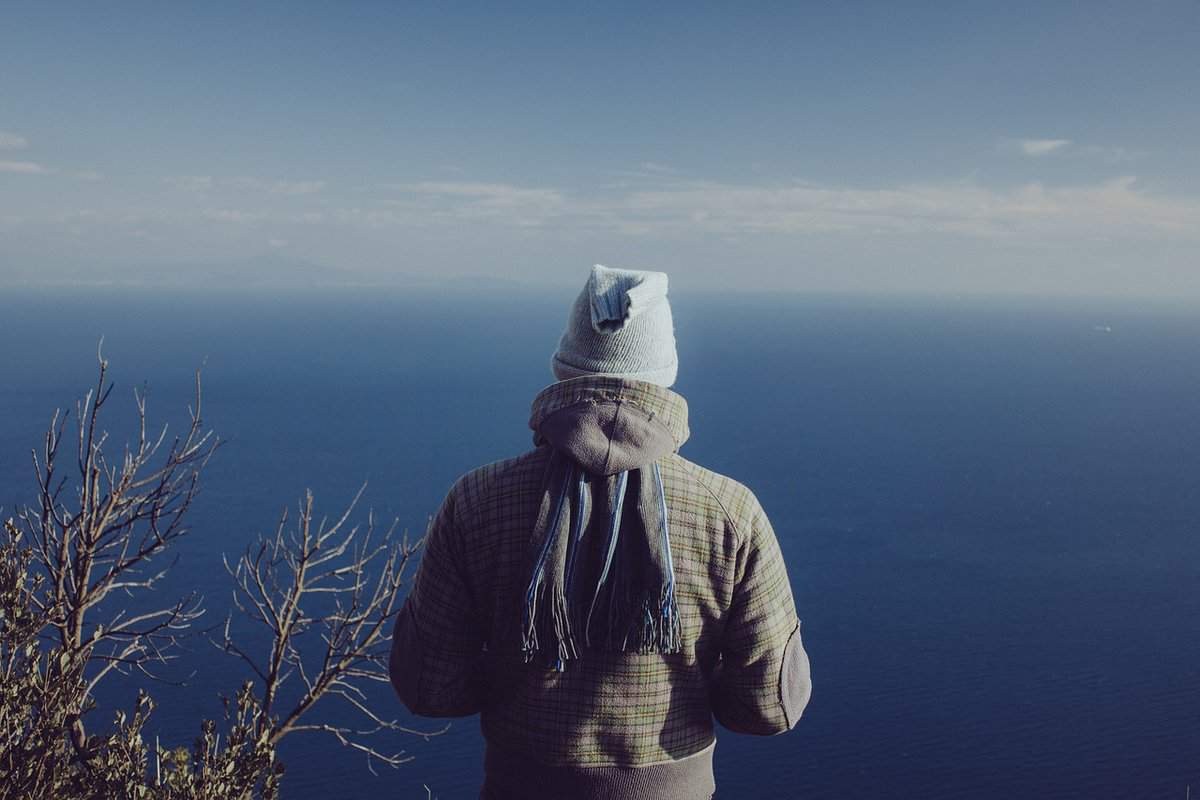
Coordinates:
529	633
657	628
638	619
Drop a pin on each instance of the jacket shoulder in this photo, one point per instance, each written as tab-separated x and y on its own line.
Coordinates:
736	500
475	488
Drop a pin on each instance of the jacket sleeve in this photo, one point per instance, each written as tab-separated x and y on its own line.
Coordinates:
762	683
437	644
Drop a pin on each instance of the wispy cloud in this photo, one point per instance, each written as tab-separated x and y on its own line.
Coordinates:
12	141
654	166
1041	147
1110	155
34	168
963	209
1107	208
22	167
190	183
645	172
236	216
205	183
498	194
290	188
518	205
678	211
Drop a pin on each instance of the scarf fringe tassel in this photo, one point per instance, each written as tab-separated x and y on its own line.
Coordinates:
647	623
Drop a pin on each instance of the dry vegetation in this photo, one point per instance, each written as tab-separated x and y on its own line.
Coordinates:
324	593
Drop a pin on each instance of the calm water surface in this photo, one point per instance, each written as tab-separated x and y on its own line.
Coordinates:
990	511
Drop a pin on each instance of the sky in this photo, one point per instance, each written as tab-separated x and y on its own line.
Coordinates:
1032	148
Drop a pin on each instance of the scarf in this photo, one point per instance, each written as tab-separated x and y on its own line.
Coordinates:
602	576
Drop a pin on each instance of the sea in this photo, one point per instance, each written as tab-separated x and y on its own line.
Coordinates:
989	507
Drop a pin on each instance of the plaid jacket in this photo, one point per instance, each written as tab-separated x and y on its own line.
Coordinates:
456	649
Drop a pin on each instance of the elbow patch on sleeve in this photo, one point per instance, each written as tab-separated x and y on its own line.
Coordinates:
795	680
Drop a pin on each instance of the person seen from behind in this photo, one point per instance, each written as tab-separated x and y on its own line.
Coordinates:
600	600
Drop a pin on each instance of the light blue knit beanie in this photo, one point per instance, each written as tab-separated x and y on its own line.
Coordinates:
619	325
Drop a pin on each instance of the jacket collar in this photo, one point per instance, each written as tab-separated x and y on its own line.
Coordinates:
657	402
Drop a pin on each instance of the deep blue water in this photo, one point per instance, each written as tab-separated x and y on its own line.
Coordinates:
990	510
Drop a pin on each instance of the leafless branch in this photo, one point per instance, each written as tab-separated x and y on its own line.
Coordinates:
98	525
336	586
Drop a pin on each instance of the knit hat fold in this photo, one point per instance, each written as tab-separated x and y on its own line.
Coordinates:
619	295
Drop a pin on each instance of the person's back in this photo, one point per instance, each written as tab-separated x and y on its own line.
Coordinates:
600	599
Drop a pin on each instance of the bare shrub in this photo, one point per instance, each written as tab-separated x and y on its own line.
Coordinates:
99	527
328	564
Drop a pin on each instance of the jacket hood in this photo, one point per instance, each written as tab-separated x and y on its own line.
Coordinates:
608	425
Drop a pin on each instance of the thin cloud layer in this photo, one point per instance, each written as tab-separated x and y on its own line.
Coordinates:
433	201
910	235
1042	147
22	167
698	207
206	183
674	209
12	141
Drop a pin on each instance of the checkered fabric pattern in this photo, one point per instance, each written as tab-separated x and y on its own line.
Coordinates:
457	649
